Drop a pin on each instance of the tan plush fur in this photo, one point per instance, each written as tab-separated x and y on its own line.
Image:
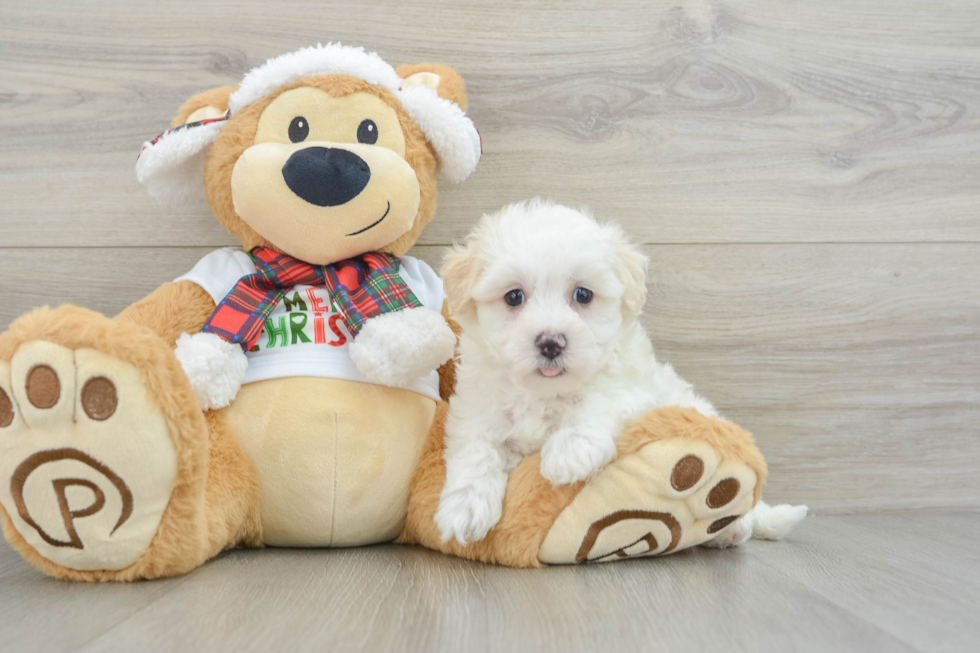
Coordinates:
216	97
239	134
183	538
172	309
215	503
730	440
232	494
451	85
532	505
447	373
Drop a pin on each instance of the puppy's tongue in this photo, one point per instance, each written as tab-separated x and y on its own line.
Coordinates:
550	371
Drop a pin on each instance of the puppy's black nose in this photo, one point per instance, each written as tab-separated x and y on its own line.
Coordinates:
326	176
550	345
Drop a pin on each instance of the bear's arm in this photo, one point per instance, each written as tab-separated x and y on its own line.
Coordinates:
447	373
172	309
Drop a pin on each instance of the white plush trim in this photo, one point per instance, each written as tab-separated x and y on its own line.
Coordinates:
329	59
397	348
451	133
173	168
215	367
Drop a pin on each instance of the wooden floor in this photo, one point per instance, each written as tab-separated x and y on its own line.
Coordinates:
804	176
890	582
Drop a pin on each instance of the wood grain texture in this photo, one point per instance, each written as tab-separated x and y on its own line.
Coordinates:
804	176
689	120
876	568
897	582
857	367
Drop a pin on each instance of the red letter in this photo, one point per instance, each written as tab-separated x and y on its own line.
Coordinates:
342	339
315	302
319	332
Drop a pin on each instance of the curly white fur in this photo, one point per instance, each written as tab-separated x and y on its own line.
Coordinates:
397	348
215	368
511	398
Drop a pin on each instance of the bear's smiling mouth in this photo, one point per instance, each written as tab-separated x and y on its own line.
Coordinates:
373	224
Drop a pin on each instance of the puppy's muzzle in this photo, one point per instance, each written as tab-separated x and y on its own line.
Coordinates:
550	345
326	176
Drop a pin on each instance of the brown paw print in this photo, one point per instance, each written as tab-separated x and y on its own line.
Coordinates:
679	495
86	459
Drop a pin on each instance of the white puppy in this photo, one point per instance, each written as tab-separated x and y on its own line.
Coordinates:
553	358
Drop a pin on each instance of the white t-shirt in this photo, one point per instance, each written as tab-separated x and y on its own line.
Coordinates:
304	335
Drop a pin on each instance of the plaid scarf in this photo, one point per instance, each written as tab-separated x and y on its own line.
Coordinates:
362	287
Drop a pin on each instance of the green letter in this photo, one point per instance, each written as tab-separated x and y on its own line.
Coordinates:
295	301
271	329
296	323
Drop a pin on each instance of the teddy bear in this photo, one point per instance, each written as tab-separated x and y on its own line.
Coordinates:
291	392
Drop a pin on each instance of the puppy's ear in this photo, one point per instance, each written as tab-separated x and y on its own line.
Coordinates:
446	81
209	104
460	272
632	272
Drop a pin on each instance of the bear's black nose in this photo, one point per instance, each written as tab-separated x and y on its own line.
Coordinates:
326	176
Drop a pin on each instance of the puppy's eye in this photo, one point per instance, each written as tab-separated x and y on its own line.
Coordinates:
299	129
514	298
583	295
367	132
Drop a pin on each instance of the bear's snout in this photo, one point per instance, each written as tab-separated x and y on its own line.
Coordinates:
326	176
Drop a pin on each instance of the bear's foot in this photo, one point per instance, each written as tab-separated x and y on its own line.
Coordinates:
103	454
661	496
679	479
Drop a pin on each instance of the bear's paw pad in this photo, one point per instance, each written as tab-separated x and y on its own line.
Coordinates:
86	461
668	496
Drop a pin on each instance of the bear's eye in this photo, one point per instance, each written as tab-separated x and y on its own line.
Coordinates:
299	129
367	132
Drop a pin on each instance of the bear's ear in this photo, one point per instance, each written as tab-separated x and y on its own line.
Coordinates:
446	81
209	104
435	98
172	164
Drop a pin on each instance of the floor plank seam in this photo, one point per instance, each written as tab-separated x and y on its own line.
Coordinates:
827	600
174	581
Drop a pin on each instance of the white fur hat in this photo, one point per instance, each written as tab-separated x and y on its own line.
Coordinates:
172	164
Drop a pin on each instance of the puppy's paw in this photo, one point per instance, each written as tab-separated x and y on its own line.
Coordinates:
468	512
570	456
